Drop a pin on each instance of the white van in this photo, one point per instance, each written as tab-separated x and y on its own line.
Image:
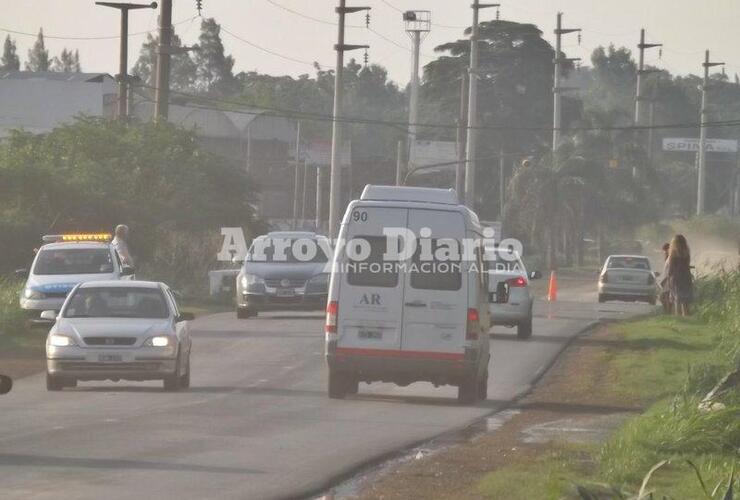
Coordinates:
408	323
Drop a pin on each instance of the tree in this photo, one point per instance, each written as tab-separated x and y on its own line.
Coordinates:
214	67
10	60
182	70
38	55
67	62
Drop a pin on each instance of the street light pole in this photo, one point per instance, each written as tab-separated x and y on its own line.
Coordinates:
702	170
335	175
122	76
472	140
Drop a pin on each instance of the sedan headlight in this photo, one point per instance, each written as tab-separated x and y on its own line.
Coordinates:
320	279
32	294
60	341
160	341
251	279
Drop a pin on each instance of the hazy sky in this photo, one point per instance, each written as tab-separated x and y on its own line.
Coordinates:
686	28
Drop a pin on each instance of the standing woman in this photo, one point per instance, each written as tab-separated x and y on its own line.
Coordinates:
679	279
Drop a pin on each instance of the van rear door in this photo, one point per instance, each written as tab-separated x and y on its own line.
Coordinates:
436	293
371	295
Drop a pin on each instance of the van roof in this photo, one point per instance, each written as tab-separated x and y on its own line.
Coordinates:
406	193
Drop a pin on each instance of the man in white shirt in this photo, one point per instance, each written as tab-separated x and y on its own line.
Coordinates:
121	245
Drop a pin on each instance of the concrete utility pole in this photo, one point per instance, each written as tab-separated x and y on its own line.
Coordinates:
319	196
335	176
651	124
162	91
418	25
461	122
122	76
557	89
702	170
297	182
472	141
639	97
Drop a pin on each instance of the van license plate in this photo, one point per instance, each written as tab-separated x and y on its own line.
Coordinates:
110	358
371	334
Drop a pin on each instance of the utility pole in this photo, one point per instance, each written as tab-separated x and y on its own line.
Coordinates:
461	122
651	124
501	183
297	182
335	176
162	91
122	76
557	89
702	173
418	25
319	197
400	171
472	140
639	98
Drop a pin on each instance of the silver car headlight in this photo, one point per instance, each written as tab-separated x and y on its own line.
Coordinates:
160	341
56	340
31	294
320	279
251	279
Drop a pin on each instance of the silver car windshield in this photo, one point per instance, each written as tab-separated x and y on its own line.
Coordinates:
117	302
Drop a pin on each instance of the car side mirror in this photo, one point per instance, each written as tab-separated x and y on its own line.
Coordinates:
21	273
48	316
501	296
185	316
535	275
6	384
127	271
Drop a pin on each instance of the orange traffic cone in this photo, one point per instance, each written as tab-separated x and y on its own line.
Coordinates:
552	290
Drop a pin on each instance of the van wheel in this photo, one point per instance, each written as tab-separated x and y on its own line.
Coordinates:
338	386
524	329
483	387
467	391
244	313
53	383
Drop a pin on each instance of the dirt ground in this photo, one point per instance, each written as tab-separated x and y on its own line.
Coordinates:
569	404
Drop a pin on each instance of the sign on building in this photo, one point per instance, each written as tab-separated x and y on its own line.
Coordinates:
690	145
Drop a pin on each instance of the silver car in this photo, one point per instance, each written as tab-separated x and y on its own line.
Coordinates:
629	278
507	267
118	330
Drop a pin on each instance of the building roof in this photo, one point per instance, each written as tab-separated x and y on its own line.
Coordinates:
54	75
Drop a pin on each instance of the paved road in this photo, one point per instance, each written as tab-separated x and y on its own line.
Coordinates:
257	422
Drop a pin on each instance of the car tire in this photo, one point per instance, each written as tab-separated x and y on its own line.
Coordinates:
243	313
483	387
70	382
467	391
185	378
171	383
353	386
652	301
337	385
602	298
524	329
53	383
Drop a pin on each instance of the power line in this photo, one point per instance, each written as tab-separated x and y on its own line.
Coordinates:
82	38
448	26
403	125
269	51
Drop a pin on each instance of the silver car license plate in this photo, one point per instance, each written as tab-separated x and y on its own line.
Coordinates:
285	292
110	358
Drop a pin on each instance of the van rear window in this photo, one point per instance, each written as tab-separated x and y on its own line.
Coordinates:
374	271
435	274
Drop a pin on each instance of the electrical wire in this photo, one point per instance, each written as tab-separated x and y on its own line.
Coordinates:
269	51
82	38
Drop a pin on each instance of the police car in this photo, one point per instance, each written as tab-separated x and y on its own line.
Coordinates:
64	261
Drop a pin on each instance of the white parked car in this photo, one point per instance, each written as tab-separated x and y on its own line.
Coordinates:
404	321
506	266
629	278
118	330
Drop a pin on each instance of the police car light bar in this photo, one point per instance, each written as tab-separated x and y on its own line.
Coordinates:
57	238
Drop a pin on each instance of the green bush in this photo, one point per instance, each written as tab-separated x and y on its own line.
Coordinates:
12	317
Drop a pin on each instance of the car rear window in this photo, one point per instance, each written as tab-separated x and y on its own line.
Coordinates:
629	263
435	274
373	271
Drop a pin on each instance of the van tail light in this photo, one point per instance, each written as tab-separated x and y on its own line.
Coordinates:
332	310
472	327
517	282
604	277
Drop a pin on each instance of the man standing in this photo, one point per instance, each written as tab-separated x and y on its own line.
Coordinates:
120	243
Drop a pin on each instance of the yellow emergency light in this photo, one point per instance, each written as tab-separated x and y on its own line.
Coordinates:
56	238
